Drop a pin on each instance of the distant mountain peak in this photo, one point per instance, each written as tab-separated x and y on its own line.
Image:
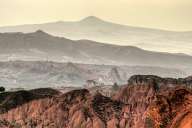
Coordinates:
40	32
91	19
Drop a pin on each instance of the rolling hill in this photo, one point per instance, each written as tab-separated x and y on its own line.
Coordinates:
42	46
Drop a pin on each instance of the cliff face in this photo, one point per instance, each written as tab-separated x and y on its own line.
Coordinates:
158	81
171	109
146	102
154	102
74	109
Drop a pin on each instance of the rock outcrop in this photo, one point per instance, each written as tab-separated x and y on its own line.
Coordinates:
146	102
169	82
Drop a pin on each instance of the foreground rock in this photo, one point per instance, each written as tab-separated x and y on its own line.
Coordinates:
146	102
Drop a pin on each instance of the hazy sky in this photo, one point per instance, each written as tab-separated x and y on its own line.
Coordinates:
164	14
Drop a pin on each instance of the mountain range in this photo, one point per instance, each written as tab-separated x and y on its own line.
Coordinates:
81	78
94	28
42	46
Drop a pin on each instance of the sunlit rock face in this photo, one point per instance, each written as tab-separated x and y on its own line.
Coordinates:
145	102
158	81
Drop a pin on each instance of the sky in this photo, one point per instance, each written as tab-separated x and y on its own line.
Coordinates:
163	14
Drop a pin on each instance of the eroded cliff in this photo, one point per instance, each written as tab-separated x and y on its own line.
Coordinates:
145	102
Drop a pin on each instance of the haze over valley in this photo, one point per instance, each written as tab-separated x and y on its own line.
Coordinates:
40	45
34	59
35	74
96	29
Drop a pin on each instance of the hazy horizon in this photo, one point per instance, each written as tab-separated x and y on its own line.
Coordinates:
56	21
174	15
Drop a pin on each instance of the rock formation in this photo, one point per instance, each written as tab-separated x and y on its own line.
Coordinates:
145	102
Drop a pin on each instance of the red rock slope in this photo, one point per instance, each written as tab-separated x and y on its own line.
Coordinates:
146	102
